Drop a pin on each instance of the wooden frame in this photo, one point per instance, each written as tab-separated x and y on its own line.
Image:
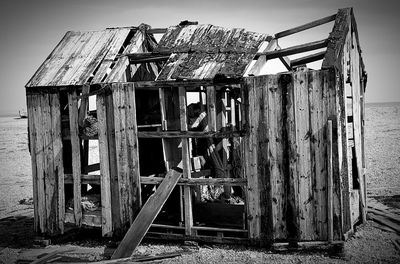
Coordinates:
280	139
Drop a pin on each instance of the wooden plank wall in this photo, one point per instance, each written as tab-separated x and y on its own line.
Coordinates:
127	154
285	155
44	121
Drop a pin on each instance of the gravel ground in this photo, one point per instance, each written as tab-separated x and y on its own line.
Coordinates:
369	245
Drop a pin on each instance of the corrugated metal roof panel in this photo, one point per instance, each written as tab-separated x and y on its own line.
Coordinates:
203	51
78	55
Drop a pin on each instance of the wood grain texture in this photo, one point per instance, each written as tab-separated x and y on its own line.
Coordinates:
250	152
304	169
78	56
146	216
276	148
58	161
40	159
105	183
76	155
187	194
31	101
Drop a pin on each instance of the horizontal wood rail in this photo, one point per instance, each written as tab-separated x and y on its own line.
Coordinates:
85	179
94	179
189	134
305	26
294	49
197	181
307	59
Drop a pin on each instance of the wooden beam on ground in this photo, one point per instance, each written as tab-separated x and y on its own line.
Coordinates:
307	59
76	155
147	215
294	49
305	26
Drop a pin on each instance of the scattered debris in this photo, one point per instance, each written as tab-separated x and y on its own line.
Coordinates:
26	201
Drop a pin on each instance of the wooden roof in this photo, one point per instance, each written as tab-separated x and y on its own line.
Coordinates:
204	51
80	56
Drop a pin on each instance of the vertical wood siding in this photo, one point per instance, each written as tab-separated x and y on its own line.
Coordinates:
286	155
44	122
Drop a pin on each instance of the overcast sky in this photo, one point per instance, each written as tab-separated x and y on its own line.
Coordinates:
31	29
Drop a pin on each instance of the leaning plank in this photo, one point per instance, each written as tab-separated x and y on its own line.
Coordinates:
386	222
388	215
305	26
76	155
147	215
295	49
104	167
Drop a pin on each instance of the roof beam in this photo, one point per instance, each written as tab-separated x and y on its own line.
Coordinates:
307	59
305	26
295	49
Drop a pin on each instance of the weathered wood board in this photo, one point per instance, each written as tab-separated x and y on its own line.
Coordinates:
146	216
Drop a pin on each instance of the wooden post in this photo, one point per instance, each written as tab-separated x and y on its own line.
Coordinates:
330	183
221	126
58	158
126	151
186	163
32	112
250	152
76	155
211	109
106	216
115	195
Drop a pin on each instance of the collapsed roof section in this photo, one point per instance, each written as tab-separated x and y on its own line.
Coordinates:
200	52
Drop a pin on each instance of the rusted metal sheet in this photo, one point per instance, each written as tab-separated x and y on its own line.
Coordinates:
77	57
204	51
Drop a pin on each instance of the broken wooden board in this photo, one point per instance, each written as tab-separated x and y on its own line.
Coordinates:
147	215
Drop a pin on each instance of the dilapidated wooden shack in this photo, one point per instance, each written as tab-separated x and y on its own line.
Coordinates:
264	158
